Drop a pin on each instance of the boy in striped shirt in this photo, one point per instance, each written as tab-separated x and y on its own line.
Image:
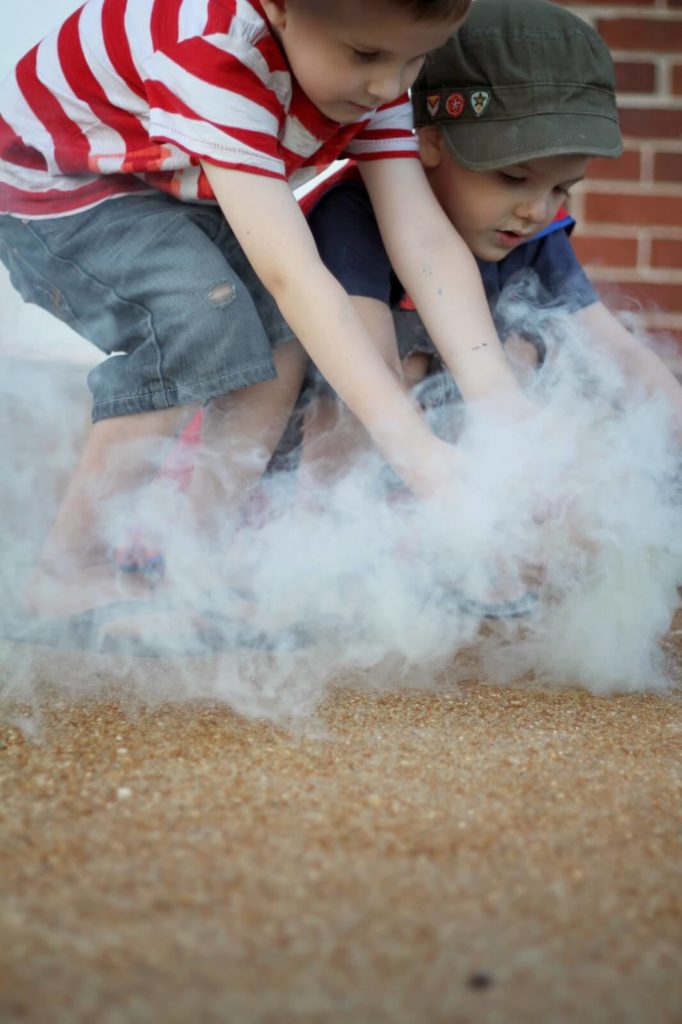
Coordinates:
148	150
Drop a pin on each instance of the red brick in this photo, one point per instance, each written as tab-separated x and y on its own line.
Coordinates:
664	36
667	252
677	79
647	295
596	250
668	167
651	122
627	167
635	76
633	209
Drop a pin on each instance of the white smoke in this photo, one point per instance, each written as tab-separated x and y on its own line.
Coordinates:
379	591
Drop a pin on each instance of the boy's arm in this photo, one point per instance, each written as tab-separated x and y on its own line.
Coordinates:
638	362
437	269
273	232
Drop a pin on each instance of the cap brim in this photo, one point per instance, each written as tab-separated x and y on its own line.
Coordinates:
485	146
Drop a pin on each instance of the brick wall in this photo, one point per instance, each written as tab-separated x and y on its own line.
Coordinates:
629	211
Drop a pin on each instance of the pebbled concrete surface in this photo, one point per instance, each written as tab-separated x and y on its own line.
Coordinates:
472	855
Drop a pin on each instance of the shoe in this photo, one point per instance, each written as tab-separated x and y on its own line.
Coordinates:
208	633
139	555
517	609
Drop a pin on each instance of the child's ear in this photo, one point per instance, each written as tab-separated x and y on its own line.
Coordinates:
275	12
430	146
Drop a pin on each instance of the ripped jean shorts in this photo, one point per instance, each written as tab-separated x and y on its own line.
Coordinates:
162	287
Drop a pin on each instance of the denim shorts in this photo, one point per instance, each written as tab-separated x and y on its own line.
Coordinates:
162	287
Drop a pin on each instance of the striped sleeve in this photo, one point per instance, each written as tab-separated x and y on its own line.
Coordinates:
389	133
216	97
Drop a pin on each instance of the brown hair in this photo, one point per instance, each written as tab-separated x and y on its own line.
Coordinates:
435	10
422	10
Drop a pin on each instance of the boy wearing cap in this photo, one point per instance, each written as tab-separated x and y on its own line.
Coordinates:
508	113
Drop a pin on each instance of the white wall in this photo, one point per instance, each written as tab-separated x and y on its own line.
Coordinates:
24	22
25	331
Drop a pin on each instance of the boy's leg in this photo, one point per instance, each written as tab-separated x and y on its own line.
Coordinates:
332	436
240	433
120	456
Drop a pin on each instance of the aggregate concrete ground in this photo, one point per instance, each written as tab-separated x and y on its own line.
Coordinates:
472	855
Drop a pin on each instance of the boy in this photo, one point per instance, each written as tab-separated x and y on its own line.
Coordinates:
119	134
508	113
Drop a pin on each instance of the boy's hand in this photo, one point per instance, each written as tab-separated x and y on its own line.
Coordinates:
440	274
515	406
641	367
436	472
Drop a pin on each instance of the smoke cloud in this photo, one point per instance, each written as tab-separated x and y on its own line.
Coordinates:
367	585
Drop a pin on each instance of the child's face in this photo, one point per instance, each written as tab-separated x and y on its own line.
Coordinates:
357	56
495	211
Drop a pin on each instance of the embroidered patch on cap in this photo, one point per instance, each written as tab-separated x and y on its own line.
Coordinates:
454	104
433	103
479	101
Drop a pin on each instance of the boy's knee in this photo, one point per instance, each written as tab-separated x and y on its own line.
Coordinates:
415	367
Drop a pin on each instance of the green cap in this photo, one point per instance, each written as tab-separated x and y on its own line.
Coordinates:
521	79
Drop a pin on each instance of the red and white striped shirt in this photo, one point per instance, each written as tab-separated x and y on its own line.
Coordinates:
129	95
